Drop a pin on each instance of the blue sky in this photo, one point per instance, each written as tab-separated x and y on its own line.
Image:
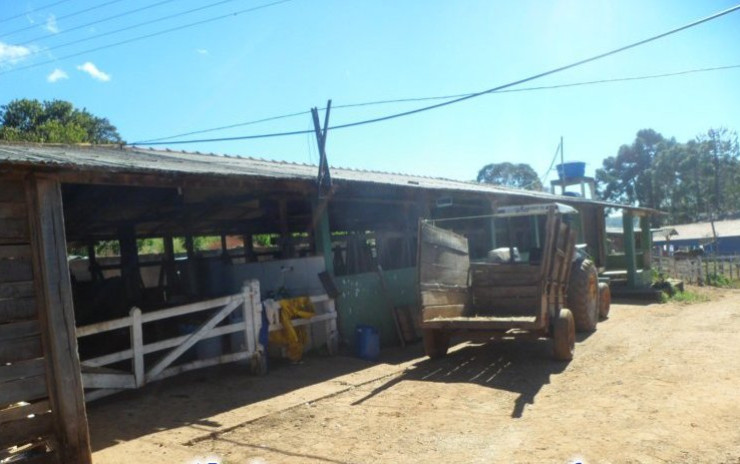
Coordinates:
289	57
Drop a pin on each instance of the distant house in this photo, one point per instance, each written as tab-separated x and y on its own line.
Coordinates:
692	236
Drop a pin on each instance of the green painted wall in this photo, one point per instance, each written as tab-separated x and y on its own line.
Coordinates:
362	302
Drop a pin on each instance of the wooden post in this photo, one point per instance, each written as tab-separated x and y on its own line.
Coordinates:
322	232
286	245
92	263
56	314
169	263
248	248
137	347
130	263
629	248
248	316
646	241
252	308
190	247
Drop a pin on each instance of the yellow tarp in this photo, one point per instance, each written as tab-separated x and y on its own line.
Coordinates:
292	338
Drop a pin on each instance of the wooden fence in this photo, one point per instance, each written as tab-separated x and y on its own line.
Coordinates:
698	269
245	310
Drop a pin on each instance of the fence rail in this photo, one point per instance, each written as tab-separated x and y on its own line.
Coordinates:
698	269
246	311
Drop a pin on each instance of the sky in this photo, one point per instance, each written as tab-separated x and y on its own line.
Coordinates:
290	56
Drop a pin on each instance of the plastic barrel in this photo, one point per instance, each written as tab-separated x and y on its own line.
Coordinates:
367	342
571	170
204	349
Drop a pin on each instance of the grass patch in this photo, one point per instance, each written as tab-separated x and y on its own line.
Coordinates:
685	297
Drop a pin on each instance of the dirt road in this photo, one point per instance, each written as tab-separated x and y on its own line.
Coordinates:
656	383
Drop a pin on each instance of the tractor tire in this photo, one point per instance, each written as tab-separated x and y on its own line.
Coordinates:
563	336
605	300
583	295
436	343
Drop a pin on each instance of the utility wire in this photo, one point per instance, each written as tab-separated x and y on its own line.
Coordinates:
76	13
133	26
442	97
148	36
477	94
10	18
92	23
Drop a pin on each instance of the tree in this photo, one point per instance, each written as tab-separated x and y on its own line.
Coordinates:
511	175
55	121
690	181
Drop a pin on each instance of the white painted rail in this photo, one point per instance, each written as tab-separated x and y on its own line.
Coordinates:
246	306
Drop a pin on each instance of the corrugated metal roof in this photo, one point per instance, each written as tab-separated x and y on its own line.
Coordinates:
703	230
138	160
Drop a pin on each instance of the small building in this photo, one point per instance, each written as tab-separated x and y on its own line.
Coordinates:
701	235
58	201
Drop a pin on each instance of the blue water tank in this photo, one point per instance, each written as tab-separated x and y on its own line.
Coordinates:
367	342
571	170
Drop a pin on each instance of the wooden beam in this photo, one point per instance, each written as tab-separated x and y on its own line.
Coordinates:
248	248
170	268
286	247
322	233
646	242
56	315
130	273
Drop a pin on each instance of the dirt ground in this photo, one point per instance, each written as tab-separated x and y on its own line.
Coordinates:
654	384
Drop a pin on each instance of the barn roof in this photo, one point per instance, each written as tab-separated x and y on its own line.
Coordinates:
133	160
703	230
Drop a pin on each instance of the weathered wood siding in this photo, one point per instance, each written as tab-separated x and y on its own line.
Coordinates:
23	386
27	390
443	273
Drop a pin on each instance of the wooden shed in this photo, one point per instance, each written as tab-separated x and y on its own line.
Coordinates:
56	200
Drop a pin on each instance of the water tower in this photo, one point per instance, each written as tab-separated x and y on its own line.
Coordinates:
574	173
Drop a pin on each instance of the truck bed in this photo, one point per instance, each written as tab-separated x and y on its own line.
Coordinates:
483	323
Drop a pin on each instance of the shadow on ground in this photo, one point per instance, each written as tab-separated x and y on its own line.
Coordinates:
194	398
522	367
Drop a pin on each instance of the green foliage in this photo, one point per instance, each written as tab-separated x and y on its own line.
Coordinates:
207	243
54	121
266	240
686	297
690	181
718	280
511	175
150	246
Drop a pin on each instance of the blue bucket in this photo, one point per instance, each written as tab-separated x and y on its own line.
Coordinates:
367	342
571	170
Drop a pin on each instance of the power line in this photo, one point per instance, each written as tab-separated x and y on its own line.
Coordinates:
232	126
441	97
128	28
76	13
148	36
92	23
35	9
478	94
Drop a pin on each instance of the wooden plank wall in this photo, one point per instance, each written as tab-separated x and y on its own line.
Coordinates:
443	273
31	428
24	402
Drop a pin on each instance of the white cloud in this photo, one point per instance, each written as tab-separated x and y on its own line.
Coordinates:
94	72
12	54
56	75
201	51
51	24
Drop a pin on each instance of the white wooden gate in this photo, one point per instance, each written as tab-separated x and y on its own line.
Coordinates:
106	381
100	381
